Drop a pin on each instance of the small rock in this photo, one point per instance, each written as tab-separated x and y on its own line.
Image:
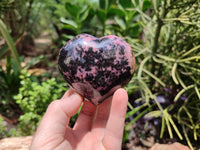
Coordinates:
149	142
174	146
138	148
16	143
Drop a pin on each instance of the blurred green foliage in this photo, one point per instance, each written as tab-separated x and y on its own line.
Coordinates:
108	17
9	77
21	16
4	132
34	98
9	85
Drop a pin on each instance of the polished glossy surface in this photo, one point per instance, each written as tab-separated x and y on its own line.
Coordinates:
96	67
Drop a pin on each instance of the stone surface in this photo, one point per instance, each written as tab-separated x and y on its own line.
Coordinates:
148	142
16	143
174	146
96	67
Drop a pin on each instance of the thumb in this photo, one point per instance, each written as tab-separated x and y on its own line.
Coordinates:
57	117
60	111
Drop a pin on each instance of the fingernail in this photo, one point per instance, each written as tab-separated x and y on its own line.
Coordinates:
75	95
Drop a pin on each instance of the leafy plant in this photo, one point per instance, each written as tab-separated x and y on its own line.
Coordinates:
10	44
34	98
9	81
79	20
109	17
167	58
5	132
9	76
4	5
77	16
122	17
20	16
2	129
70	18
9	85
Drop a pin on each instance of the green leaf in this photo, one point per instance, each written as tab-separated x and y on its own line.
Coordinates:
135	30
162	127
154	77
191	50
197	92
135	3
10	43
84	15
103	4
153	114
145	17
189	59
146	4
166	58
174	68
10	1
182	91
142	66
137	117
180	80
92	13
187	138
156	4
126	3
67	37
67	26
134	111
116	11
168	124
83	8
3	50
120	22
68	21
174	126
72	9
102	15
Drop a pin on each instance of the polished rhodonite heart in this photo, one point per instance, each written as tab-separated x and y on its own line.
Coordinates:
96	67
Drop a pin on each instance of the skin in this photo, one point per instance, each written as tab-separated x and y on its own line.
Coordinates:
97	127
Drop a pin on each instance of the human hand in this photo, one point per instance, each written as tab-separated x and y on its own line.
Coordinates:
97	127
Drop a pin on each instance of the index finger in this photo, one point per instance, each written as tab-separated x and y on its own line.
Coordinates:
115	124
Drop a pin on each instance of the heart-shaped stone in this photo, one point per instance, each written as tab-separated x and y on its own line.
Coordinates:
96	67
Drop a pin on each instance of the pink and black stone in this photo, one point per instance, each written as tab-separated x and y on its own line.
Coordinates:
96	67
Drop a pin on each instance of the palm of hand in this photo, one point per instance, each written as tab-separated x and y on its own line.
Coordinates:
97	127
